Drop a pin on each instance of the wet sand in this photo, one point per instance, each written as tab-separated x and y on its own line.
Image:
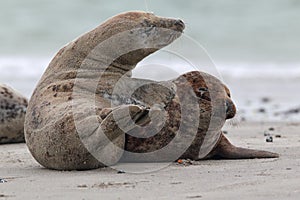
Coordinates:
213	179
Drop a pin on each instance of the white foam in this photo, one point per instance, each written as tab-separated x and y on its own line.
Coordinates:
25	66
233	70
260	70
23	73
33	67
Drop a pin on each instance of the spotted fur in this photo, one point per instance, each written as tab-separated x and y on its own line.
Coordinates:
12	115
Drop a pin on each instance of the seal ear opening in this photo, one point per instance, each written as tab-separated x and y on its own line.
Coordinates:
225	150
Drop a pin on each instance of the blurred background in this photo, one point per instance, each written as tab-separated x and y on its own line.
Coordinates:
254	45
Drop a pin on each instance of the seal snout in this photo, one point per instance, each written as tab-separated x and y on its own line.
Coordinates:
230	109
179	24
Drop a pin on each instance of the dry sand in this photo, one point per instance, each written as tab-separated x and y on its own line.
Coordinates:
214	179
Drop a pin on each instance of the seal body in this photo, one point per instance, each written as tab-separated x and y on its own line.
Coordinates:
12	115
198	101
67	113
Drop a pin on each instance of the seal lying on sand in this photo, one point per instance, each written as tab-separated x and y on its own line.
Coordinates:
81	115
12	115
215	106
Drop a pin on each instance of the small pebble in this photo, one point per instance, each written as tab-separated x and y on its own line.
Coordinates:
262	110
185	162
82	186
266	133
271	129
265	99
278	136
194	197
225	132
121	172
180	161
269	139
2	180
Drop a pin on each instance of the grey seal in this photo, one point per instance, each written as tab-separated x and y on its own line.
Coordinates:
13	107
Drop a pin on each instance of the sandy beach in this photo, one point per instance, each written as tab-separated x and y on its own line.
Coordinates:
250	45
279	178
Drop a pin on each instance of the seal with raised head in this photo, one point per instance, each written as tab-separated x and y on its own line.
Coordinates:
67	111
13	107
88	112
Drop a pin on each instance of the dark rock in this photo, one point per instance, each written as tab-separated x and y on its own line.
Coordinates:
266	133
2	180
292	111
269	139
265	99
262	110
243	119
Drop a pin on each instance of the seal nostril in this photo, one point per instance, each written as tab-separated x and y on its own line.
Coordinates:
230	110
179	23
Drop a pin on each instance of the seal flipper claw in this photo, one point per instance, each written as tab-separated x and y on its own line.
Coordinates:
125	117
225	150
107	143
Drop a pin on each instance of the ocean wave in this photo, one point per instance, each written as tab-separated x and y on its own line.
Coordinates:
28	67
260	70
23	73
33	67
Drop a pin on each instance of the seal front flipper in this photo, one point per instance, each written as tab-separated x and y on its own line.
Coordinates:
225	150
124	118
107	143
